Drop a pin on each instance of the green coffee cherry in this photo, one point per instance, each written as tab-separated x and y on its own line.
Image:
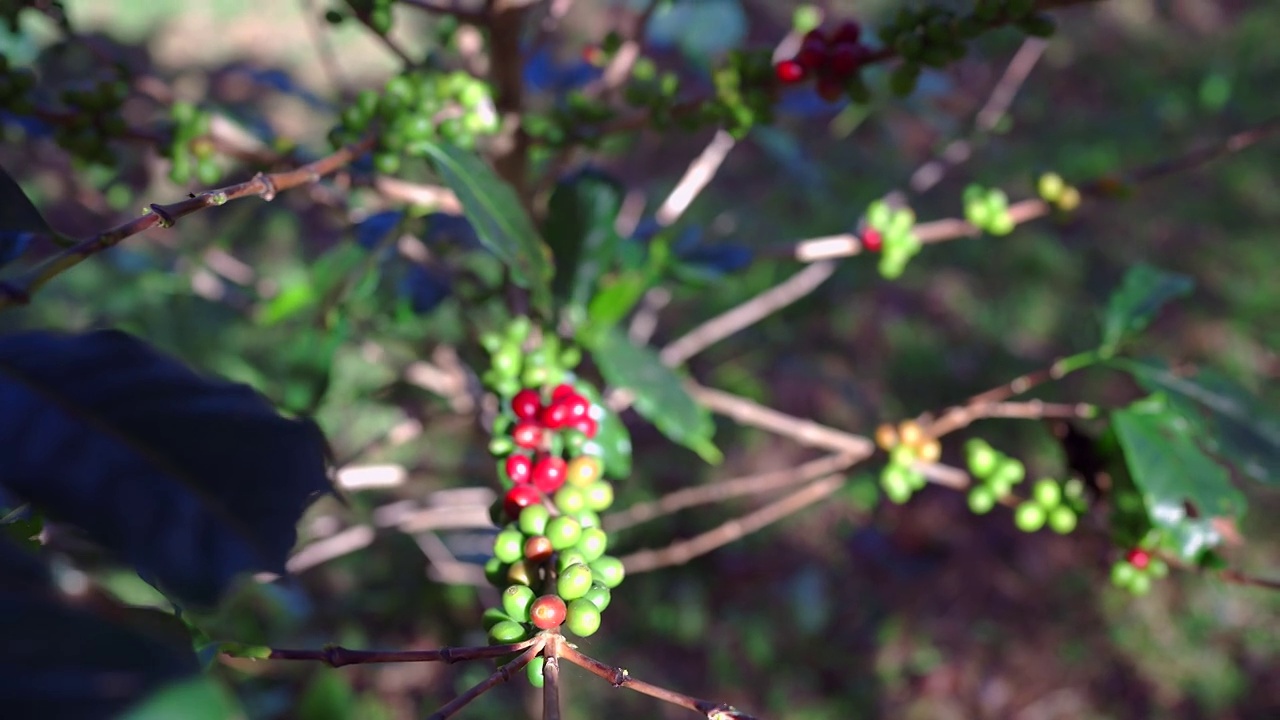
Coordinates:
508	546
516	600
534	519
981	457
608	571
1047	492
1062	520
574	582
563	532
981	499
593	543
1029	517
533	671
508	631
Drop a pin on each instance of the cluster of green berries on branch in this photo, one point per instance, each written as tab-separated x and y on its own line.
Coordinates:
907	445
891	232
416	110
997	474
1137	569
833	61
1056	504
550	552
988	209
1055	191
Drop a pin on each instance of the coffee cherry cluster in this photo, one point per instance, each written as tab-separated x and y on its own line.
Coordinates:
1055	191
988	209
832	60
996	473
907	445
550	553
1054	503
890	232
1137	569
415	110
190	148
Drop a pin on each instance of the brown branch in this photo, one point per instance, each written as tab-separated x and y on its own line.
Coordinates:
805	432
847	244
995	108
20	289
502	675
683	551
1235	577
336	656
504	20
748	313
620	678
963	416
551	677
723	490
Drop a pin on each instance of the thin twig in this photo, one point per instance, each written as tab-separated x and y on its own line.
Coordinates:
723	490
337	656
805	432
620	678
551	677
699	173
502	675
995	108
963	416
20	290
845	245
681	552
747	314
1235	577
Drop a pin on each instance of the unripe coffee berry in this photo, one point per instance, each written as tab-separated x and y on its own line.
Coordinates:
608	571
508	631
547	612
599	596
583	470
598	495
563	532
1062	519
533	519
568	558
1047	492
516	600
574	582
1029	517
533	671
508	546
593	543
570	500
582	617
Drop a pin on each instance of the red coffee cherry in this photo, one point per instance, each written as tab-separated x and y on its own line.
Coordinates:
547	612
527	434
1139	558
789	72
518	498
562	391
585	425
526	404
845	59
555	416
549	474
830	88
848	32
872	241
519	468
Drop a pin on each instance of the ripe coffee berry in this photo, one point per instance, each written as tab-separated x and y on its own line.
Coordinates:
562	391
844	59
518	498
527	434
848	32
555	415
538	549
1139	558
872	241
519	468
526	404
586	425
547	612
789	72
548	474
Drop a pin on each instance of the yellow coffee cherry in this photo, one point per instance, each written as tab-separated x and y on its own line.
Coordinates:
886	437
930	451
910	433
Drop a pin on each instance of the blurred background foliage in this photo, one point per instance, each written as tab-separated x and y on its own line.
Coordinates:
854	609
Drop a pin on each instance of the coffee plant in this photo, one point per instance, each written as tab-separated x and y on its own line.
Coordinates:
516	284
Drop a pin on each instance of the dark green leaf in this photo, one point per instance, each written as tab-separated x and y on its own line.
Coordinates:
616	298
85	661
17	213
1172	473
193	480
499	219
1143	292
660	395
200	698
1233	425
580	231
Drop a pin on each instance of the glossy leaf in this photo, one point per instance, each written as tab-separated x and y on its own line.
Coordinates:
85	661
660	395
1141	294
498	217
17	213
192	479
580	231
200	698
1232	424
1171	472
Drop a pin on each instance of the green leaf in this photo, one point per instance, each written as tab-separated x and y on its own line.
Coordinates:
1143	292
200	698
580	231
500	222
17	213
1172	472
1232	424
660	395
